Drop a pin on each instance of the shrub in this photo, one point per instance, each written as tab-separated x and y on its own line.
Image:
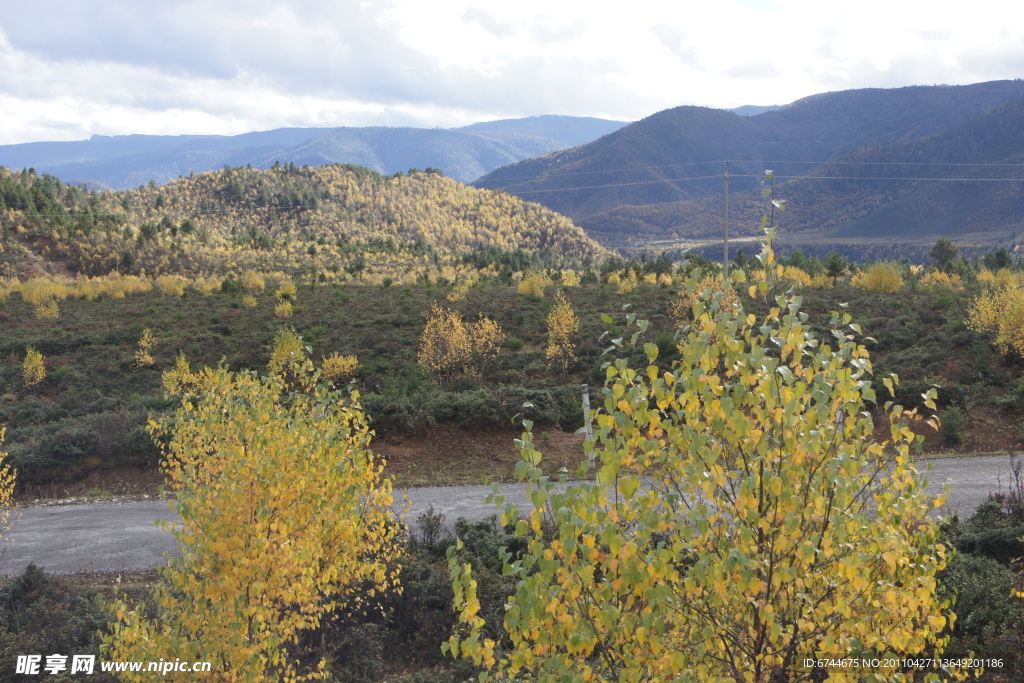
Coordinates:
954	423
989	621
881	278
43	614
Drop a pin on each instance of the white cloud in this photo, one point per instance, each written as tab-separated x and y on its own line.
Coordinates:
71	68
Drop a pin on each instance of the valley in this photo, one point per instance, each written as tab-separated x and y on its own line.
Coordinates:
449	328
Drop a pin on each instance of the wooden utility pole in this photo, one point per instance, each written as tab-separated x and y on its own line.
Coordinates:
725	256
586	420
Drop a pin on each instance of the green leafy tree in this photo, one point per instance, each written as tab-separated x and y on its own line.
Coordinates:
944	253
835	266
996	260
742	519
285	520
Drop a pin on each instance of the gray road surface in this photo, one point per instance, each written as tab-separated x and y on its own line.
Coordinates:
122	536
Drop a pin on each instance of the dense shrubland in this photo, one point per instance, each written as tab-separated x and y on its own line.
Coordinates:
83	405
414	623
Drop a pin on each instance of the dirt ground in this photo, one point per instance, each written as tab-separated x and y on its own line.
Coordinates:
442	456
985	433
438	456
448	456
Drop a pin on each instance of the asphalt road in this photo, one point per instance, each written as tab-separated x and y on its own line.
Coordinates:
122	536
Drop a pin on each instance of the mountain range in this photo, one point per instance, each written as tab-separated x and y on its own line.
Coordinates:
879	164
125	161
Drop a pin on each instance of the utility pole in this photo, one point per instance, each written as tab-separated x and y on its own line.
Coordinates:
586	420
725	257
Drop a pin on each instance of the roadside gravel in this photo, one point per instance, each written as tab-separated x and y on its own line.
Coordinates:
120	535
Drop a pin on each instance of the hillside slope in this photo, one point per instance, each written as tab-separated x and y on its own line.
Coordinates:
290	218
967	180
664	174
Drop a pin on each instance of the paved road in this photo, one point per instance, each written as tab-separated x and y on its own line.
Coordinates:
113	536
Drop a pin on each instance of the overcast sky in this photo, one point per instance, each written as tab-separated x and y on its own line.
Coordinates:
73	68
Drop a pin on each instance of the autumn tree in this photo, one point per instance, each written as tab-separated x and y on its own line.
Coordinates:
741	519
7	479
144	354
486	338
33	368
446	348
338	368
1000	311
48	310
534	283
563	325
707	285
882	278
285	520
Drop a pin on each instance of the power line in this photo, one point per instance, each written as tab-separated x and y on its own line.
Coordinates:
76	213
741	175
767	161
204	212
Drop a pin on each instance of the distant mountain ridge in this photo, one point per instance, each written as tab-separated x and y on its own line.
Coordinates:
466	153
663	175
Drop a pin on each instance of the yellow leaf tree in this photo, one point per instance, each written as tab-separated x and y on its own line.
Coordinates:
285	519
33	368
446	347
1000	311
486	337
144	356
7	477
338	368
883	278
741	521
562	327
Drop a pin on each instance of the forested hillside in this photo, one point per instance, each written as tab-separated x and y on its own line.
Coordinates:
663	175
330	220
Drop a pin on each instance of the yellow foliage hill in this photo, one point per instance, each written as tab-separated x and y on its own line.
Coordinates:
302	219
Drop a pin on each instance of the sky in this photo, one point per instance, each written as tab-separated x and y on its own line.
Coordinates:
70	69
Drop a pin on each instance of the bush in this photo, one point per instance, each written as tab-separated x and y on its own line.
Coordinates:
990	532
990	622
881	278
954	423
988	619
43	614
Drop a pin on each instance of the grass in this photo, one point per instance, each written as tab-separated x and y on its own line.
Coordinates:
84	425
